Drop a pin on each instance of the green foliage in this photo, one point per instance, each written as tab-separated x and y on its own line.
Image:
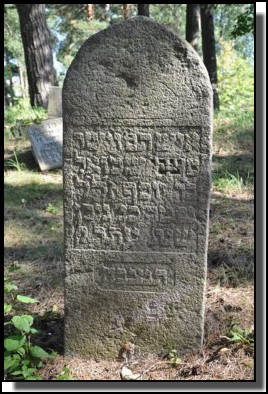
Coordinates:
244	22
14	343
71	29
19	117
170	15
52	209
231	276
224	180
14	163
237	334
23	113
38	352
174	359
23	323
225	17
235	80
12	37
7	308
13	50
26	300
65	374
21	358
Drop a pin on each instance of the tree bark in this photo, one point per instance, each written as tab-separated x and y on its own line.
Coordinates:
193	24
37	52
22	83
90	12
209	49
143	9
126	8
9	91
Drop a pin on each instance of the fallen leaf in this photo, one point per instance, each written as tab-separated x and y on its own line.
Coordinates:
224	350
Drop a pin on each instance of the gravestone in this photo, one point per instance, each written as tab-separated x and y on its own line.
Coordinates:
46	138
55	102
46	141
137	119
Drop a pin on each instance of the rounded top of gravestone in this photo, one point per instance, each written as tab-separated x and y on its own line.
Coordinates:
137	69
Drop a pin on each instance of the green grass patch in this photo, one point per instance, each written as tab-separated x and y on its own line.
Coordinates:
233	151
20	116
225	181
33	214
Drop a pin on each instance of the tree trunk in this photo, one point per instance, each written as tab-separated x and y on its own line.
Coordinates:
22	84
11	85
6	95
90	12
106	13
143	9
9	91
37	51
209	49
193	24
126	8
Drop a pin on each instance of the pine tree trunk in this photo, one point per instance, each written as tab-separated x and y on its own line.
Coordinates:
22	84
209	49
143	9
126	8
37	51
193	24
107	13
90	12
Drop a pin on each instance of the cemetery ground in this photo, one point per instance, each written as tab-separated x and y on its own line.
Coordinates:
34	244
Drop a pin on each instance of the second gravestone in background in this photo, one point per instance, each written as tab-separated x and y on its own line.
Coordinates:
137	118
55	102
46	141
46	138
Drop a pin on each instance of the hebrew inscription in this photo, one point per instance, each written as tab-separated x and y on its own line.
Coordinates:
136	189
134	277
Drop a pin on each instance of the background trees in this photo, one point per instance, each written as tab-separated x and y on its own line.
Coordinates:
143	9
209	49
193	24
226	29
37	51
13	56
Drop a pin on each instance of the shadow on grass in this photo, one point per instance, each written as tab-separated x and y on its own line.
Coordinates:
240	166
231	237
32	252
25	160
34	193
37	234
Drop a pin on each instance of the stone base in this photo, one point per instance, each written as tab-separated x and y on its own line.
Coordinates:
150	299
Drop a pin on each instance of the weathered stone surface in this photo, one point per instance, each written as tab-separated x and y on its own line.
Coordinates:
55	102
46	140
137	117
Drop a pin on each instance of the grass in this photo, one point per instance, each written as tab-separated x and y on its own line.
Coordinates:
34	242
19	117
27	196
